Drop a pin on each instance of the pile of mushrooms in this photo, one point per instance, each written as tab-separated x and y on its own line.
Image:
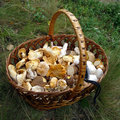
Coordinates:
52	68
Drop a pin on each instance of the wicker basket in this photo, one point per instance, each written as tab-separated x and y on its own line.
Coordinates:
51	100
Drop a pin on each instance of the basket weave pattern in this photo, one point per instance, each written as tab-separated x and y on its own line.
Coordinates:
50	100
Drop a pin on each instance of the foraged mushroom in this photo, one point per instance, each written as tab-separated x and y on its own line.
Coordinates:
76	59
71	70
12	71
27	85
39	80
77	51
68	58
22	53
31	74
91	56
91	68
42	68
47	88
57	71
99	73
37	54
101	66
21	63
37	88
53	82
63	50
61	84
92	78
45	45
21	76
32	64
97	62
56	51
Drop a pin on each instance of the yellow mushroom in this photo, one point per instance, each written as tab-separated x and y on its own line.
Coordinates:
22	53
21	63
53	82
27	85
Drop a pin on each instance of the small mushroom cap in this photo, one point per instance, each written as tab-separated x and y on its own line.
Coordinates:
37	54
91	56
39	80
99	73
56	50
37	88
91	68
22	53
68	58
31	74
42	68
76	49
101	66
62	84
53	82
45	45
76	59
97	62
27	85
32	64
70	70
21	63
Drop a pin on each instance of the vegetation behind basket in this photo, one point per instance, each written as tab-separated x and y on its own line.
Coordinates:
21	20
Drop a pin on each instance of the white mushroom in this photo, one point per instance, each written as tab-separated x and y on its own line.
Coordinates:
53	82
91	68
45	45
99	73
21	76
37	54
68	58
62	84
12	71
63	50
92	78
37	88
42	68
70	70
76	59
76	49
31	74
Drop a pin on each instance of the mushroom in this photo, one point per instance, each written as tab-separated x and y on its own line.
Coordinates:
45	45
68	58
71	70
76	59
39	80
92	78
62	84
21	76
91	56
99	73
42	68
32	64
21	63
97	62
53	82
12	71
37	54
37	88
63	50
77	51
27	85
31	74
91	68
56	50
101	66
22	53
57	71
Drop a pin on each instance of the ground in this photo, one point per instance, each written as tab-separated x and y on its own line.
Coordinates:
21	20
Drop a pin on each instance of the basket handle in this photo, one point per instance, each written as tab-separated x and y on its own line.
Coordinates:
81	42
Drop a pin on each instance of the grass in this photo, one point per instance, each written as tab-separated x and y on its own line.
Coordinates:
21	20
